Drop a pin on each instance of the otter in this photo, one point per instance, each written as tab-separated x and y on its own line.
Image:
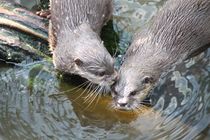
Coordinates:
74	37
179	29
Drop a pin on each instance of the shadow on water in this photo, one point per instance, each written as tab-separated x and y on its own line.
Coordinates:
35	103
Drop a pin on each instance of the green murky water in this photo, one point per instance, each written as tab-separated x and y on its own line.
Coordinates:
36	104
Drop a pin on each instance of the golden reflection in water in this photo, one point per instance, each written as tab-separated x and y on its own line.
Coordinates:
99	108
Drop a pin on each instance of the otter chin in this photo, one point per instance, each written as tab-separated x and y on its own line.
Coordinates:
179	29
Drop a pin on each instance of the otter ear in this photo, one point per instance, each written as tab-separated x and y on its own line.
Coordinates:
78	62
148	80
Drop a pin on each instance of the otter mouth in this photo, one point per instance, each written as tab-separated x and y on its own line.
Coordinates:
123	108
134	103
134	109
134	106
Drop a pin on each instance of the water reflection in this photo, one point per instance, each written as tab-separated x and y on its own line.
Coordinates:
32	106
186	97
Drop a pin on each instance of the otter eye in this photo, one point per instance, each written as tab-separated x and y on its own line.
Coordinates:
133	93
101	73
78	62
148	80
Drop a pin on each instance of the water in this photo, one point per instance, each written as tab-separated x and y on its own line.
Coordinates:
36	103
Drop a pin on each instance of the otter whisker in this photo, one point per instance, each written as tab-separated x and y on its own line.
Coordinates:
91	95
134	112
87	88
145	103
112	106
90	88
94	96
88	92
77	88
138	110
99	95
93	99
103	90
81	86
141	108
96	92
64	92
114	109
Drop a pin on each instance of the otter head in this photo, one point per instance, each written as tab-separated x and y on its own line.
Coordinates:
82	52
137	77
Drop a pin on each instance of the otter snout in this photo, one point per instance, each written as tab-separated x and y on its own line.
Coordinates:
122	102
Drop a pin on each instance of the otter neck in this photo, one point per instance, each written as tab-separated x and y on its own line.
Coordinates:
67	32
153	55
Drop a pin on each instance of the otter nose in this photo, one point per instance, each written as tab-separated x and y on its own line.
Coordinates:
122	102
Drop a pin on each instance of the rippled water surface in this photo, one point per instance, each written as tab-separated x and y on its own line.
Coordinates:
35	103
